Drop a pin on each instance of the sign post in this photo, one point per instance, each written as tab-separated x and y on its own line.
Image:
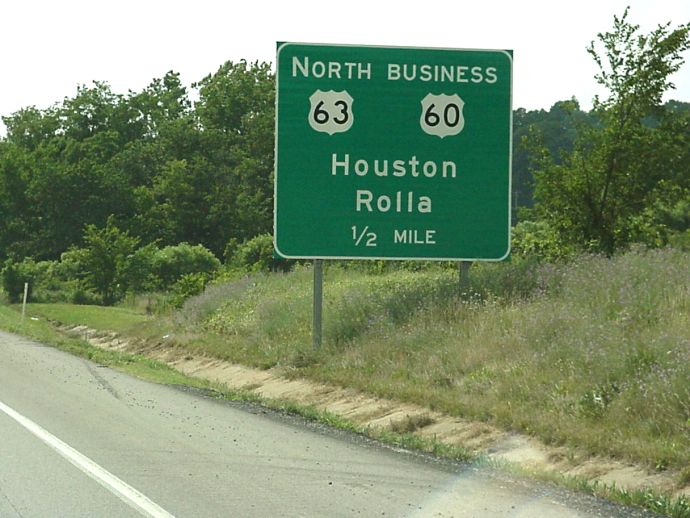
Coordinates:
392	153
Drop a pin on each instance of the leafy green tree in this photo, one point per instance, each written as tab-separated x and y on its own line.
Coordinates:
105	254
236	110
82	160
15	223
555	130
139	270
236	95
168	172
29	127
593	196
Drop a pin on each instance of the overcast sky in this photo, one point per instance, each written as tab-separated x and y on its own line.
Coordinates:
48	47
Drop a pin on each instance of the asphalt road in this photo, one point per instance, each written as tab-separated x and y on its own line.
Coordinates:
79	440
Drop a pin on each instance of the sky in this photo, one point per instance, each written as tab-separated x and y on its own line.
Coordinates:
49	47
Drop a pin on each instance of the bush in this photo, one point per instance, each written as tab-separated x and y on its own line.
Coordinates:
139	270
49	281
171	263
680	240
71	265
47	286
184	269
187	286
257	255
78	293
14	275
539	239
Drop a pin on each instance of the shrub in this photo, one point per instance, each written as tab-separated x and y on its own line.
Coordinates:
188	285
14	275
256	255
680	240
71	265
173	262
49	281
47	286
230	250
78	293
139	270
538	238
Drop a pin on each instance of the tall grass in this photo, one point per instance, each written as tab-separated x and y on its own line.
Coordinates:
594	353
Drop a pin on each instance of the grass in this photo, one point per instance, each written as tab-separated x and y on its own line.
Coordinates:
662	504
121	320
43	331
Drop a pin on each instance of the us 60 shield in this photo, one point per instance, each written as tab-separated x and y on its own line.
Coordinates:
442	115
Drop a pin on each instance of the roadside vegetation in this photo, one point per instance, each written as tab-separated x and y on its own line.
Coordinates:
594	354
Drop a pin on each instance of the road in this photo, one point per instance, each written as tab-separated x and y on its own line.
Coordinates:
77	439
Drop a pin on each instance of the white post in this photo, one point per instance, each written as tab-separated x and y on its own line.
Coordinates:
318	304
26	293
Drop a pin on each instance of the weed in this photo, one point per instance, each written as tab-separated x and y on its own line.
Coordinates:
684	478
411	423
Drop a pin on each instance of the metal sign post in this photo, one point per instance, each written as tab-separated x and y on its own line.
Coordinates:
464	277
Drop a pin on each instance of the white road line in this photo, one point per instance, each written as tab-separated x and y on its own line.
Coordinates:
123	490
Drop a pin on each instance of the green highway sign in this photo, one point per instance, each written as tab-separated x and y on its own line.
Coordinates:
392	153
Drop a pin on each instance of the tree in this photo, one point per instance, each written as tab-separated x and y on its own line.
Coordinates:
594	195
104	259
14	206
555	130
236	111
29	127
169	172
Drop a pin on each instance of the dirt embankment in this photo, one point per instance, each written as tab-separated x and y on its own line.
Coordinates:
367	411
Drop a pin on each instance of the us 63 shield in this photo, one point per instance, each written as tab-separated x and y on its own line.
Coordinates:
331	112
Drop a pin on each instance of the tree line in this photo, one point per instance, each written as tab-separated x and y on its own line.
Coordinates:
166	169
160	169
